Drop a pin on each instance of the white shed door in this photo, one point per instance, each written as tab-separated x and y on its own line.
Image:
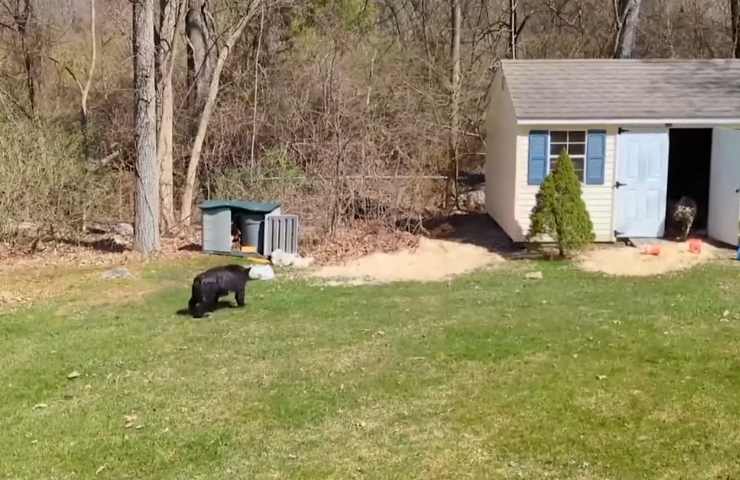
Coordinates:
724	182
642	178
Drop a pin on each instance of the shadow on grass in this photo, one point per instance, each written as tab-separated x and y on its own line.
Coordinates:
221	304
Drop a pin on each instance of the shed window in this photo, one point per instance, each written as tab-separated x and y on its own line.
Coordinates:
574	142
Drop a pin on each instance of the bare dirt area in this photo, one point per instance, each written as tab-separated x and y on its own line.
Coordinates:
431	260
455	245
624	260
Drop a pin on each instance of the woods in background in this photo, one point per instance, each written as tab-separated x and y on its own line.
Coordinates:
345	110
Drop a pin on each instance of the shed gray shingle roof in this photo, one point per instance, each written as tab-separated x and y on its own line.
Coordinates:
624	89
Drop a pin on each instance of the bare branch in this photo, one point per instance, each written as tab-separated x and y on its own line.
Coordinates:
256	85
86	89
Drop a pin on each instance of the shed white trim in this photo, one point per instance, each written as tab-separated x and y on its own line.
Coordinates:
674	123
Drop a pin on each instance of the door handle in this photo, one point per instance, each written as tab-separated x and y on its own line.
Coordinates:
620	184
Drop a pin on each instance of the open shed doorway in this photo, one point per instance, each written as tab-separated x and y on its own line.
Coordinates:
689	163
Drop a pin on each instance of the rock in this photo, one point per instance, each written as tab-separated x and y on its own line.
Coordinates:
474	200
534	276
123	229
283	259
302	262
119	241
261	272
118	272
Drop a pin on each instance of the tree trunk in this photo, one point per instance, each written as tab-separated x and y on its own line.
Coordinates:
735	17
170	12
455	97
202	53
512	28
31	45
256	90
186	201
628	20
146	205
85	91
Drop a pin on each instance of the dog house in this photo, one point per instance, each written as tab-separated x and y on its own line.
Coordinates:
261	226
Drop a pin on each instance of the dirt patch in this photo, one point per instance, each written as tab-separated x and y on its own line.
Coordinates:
629	261
432	260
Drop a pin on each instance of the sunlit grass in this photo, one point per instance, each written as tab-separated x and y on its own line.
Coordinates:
487	376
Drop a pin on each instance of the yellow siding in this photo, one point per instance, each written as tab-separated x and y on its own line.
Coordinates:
598	198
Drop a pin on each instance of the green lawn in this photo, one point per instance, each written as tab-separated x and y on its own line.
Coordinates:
576	376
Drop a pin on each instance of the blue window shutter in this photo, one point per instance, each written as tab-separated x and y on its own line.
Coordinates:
537	165
595	157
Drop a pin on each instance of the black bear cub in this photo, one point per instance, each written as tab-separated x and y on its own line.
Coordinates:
215	283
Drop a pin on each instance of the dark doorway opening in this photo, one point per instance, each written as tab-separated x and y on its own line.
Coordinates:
689	161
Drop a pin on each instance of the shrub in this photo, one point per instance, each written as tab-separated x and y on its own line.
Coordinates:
43	180
560	211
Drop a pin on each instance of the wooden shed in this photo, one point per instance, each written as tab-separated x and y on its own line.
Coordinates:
641	134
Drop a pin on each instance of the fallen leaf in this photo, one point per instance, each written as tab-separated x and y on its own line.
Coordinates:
534	276
129	420
600	377
100	469
39	406
73	374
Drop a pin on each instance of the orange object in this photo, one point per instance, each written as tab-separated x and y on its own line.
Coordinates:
695	245
651	250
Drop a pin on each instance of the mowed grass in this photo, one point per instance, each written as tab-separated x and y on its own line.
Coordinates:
487	376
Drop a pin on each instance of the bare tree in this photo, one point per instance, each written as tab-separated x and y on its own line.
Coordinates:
25	24
735	16
186	201
170	16
202	54
146	207
455	82
85	89
627	14
256	87
515	27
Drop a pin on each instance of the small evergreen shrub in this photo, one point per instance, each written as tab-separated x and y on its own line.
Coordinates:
560	211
